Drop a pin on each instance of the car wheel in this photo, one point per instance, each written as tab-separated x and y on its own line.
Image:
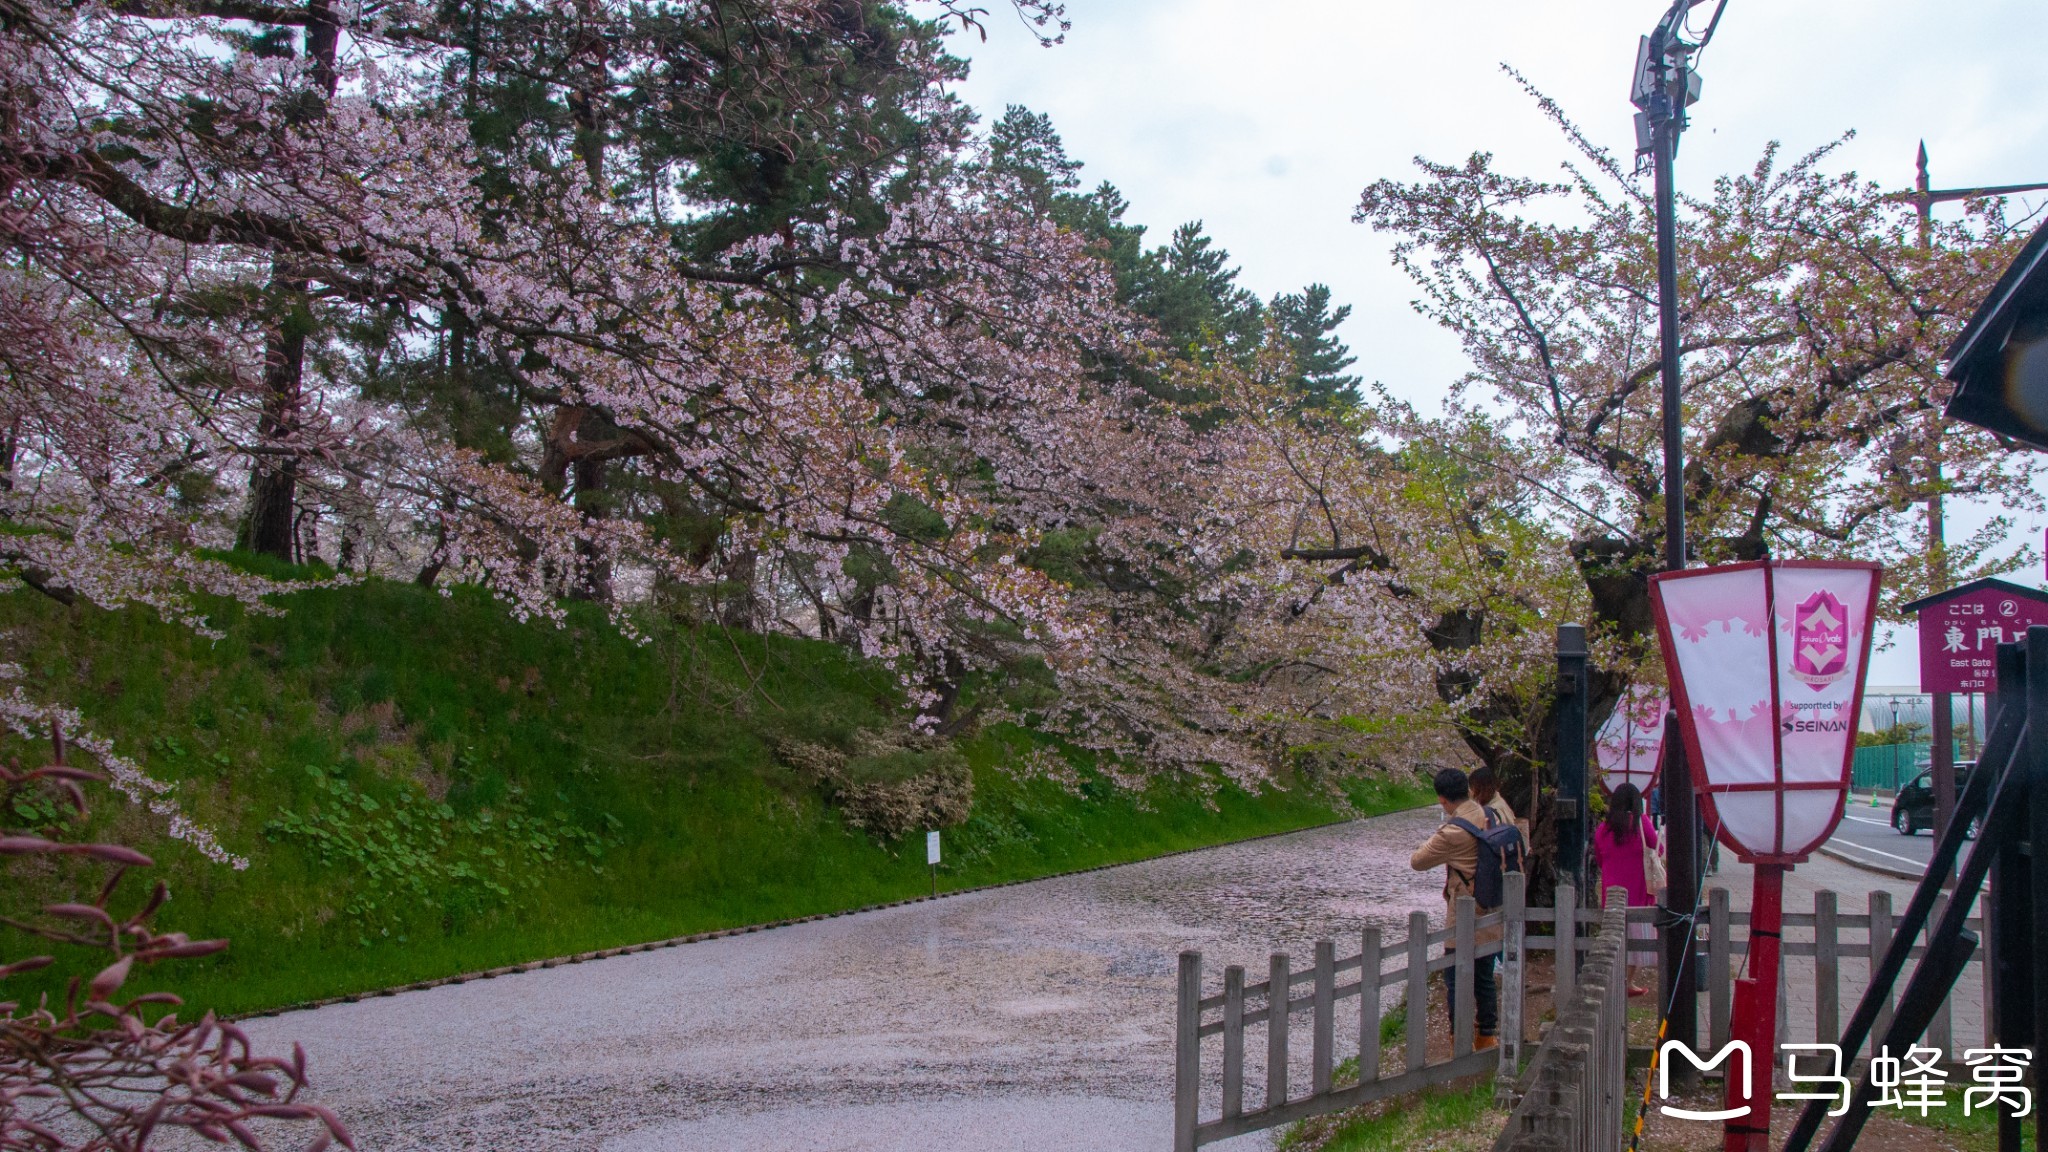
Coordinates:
1903	821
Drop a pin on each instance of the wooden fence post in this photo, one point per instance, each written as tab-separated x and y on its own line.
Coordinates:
1187	1062
1463	965
1565	926
1512	983
1418	991
1324	1044
1278	975
1827	1015
1784	1035
1880	943
1720	967
1233	1040
1369	1006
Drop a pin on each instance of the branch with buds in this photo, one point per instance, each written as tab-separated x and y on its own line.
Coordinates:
95	1072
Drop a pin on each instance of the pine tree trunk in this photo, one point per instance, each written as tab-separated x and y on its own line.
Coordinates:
268	524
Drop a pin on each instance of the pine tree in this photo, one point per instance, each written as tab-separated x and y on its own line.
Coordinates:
1191	292
1308	324
1024	146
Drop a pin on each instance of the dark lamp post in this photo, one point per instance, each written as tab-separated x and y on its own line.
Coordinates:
1663	85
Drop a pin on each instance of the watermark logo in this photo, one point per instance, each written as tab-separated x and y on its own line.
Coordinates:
1915	1080
1736	1052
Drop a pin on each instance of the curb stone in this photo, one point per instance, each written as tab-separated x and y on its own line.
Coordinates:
744	929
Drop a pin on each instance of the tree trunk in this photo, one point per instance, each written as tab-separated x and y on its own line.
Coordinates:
268	525
1525	764
736	596
594	572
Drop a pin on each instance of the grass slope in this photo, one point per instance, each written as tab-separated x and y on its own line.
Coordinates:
424	786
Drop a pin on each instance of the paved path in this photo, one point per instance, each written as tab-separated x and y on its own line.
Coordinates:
1032	1017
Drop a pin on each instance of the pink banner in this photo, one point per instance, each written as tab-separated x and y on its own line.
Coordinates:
1766	665
1632	740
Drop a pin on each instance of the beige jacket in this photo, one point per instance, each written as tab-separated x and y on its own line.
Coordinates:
1457	851
1500	808
1499	804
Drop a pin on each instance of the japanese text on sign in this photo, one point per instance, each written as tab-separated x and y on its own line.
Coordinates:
1959	636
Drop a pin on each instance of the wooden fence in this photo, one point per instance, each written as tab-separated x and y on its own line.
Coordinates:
1825	950
1576	1091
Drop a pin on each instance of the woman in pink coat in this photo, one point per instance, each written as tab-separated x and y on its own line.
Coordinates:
1618	846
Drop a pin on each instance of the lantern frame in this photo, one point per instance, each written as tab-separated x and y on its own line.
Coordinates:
1708	789
1633	739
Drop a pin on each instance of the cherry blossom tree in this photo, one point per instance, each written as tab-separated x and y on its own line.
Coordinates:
168	167
1812	322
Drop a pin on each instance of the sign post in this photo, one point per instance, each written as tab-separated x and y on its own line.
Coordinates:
1960	631
1766	662
931	857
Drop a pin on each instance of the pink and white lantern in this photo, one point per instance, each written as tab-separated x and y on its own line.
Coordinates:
1632	741
1766	662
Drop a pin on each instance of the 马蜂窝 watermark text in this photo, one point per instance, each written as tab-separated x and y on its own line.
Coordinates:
1915	1080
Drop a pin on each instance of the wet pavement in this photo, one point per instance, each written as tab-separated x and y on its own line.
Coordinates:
1032	1017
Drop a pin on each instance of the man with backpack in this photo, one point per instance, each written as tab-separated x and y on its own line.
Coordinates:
1476	850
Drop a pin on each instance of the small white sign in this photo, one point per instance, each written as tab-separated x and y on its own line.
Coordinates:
931	848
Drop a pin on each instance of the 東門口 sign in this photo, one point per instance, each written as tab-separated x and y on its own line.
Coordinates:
1961	629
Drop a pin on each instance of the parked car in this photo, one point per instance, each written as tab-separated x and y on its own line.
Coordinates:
1913	807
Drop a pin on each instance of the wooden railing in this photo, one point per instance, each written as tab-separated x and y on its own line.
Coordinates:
1576	1088
1342	1001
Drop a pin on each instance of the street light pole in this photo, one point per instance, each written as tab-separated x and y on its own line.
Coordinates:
1663	103
1941	750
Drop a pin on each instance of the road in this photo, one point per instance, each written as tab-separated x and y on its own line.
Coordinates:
1866	836
1032	1017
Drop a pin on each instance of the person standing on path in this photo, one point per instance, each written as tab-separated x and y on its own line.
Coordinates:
1619	845
1486	790
1458	852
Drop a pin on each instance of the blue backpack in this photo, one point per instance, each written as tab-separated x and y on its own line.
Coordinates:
1500	852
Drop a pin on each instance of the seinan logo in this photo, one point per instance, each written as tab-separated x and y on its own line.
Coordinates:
1820	640
1794	724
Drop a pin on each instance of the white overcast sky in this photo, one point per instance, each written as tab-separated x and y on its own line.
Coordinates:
1265	120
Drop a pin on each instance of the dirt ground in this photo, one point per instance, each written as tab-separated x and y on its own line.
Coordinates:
1883	1132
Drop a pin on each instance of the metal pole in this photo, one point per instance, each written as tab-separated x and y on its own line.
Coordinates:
1942	757
1572	688
1942	765
1681	894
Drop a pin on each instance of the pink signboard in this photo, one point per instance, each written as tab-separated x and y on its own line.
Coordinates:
1766	664
1960	631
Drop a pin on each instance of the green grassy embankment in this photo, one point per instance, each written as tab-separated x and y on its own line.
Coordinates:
424	786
